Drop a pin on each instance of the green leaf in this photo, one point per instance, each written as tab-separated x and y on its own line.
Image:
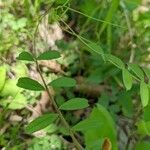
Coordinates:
147	72
115	60
144	93
95	47
30	84
127	79
74	104
48	55
146	112
63	82
143	127
110	14
2	77
98	126
87	124
142	145
137	70
41	122
131	5
126	103
25	56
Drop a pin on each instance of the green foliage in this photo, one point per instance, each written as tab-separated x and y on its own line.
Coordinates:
17	102
116	33
30	84
48	55
52	142
8	90
143	127
131	5
41	122
108	18
95	47
74	104
127	79
144	92
147	72
114	60
101	125
63	82
137	70
146	112
25	56
125	100
142	146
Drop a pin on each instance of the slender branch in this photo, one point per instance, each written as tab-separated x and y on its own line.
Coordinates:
75	141
96	19
84	40
77	144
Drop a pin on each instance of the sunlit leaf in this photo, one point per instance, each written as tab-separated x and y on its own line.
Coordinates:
48	55
74	104
41	122
63	82
144	93
127	79
30	84
25	56
10	88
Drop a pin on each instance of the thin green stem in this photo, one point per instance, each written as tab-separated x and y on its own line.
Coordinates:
75	141
84	40
96	19
77	144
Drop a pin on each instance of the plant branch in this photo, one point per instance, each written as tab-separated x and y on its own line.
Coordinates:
77	144
75	141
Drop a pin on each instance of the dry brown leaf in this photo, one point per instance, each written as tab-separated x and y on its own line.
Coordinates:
107	144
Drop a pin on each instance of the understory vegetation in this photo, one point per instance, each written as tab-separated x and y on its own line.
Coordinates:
74	74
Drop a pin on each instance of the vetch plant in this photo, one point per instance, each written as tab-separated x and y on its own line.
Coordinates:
101	116
30	84
94	128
